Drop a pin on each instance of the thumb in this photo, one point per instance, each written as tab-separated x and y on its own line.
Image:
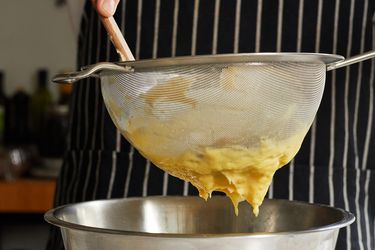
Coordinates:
106	8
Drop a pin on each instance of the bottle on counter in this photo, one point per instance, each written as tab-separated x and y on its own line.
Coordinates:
3	111
53	141
41	103
3	125
19	118
55	133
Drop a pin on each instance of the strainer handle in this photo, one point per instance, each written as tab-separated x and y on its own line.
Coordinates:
355	59
89	71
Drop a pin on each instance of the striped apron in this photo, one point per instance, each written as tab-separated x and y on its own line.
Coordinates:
336	164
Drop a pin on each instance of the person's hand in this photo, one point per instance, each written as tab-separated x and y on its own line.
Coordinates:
106	8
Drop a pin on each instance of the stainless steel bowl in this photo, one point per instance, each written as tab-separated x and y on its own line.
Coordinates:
191	223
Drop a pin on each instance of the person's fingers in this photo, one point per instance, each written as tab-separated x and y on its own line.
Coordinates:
106	8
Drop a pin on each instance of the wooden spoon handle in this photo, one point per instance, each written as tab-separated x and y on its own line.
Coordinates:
117	38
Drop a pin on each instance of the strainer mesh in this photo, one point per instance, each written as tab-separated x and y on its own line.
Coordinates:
205	104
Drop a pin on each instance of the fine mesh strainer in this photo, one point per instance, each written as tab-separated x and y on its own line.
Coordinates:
186	103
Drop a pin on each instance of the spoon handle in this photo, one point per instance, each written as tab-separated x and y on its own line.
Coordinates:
117	38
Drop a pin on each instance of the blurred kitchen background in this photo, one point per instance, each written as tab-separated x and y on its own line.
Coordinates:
37	40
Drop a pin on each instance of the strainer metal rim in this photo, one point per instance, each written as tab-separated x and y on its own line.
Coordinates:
330	60
234	58
51	217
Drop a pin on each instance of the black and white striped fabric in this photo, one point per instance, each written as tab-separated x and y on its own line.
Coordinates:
336	164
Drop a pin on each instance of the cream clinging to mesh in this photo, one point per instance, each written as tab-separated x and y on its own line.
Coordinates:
207	139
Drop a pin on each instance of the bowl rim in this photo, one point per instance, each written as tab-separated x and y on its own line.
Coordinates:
50	217
263	57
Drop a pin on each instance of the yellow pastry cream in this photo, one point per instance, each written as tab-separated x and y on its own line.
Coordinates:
209	142
242	173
